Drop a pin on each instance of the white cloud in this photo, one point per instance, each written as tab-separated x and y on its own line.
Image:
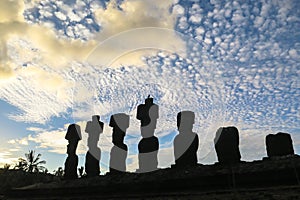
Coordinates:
128	48
200	31
6	157
74	17
47	96
178	9
294	54
196	19
60	15
10	10
13	24
237	18
48	83
207	40
22	141
134	14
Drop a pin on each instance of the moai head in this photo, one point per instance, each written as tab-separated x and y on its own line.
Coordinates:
95	118
94	127
73	136
148	113
119	121
185	121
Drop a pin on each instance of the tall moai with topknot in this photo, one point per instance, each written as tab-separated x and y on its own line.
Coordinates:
92	160
73	136
186	143
280	144
148	114
118	154
227	145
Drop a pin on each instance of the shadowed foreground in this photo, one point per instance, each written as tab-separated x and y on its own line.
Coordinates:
273	178
280	193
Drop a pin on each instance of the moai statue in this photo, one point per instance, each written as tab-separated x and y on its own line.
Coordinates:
94	128
73	136
227	145
148	147
118	154
186	143
280	144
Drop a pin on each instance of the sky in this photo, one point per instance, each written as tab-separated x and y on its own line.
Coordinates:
234	63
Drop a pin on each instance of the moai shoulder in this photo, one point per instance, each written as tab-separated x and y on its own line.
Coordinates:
186	143
94	126
73	132
119	120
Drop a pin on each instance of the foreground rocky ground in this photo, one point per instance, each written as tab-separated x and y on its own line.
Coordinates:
276	178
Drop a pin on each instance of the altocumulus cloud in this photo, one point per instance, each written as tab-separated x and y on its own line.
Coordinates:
49	59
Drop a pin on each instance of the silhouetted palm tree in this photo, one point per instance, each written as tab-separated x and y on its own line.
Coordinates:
31	163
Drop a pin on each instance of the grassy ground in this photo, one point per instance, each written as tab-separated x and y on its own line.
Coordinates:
15	178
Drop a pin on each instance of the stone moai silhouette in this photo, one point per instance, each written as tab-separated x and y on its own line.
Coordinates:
186	143
73	136
93	128
118	154
227	145
148	146
280	144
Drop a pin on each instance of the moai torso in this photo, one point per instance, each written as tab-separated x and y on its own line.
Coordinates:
186	143
94	128
280	144
148	150
73	136
227	145
119	122
148	147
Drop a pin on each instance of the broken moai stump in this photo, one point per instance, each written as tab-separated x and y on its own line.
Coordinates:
118	154
94	128
227	145
148	147
73	136
280	144
186	143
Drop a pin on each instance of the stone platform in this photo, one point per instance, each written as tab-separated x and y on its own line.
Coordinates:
244	178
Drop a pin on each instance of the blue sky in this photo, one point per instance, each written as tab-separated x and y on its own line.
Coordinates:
231	62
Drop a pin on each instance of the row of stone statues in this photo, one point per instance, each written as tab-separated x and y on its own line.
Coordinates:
185	143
